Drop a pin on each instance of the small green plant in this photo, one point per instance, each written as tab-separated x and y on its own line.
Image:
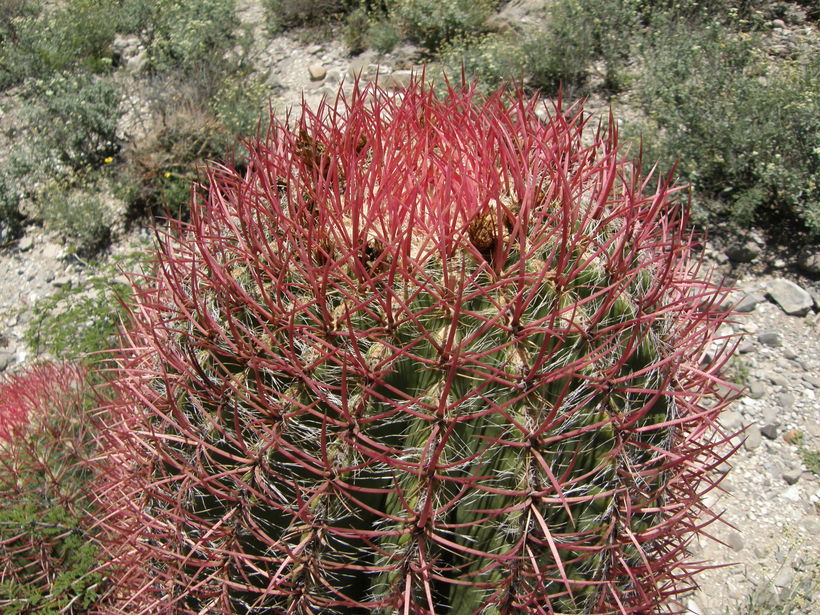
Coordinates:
79	322
432	23
811	459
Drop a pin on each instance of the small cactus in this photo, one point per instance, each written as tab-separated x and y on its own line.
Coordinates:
421	356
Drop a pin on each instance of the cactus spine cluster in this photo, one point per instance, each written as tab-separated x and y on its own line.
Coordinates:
422	355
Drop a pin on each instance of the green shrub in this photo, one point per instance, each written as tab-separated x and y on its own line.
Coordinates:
432	23
11	218
355	31
73	120
491	60
239	102
83	215
190	36
283	14
745	132
76	33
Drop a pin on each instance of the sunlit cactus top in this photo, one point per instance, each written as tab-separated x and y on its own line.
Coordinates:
420	355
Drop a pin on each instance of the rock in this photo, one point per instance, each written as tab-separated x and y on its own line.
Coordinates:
731	420
792	494
317	72
784	577
808	261
6	359
769	431
790	297
692	608
357	69
137	62
756	390
735	541
745	347
770	338
398	79
753	438
749	301
778	380
786	401
63	280
793	436
789	354
812	379
314	48
744	252
25	244
792	476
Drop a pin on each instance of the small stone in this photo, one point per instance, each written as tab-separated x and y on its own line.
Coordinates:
25	244
792	476
314	48
756	390
745	347
357	69
770	338
784	577
692	608
790	297
398	79
789	354
743	253
793	436
62	281
317	72
769	431
731	420
753	437
5	360
808	260
812	379
792	494
735	541
778	380
749	302
786	401
136	62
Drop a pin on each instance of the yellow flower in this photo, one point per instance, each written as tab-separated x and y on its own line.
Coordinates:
166	174
108	160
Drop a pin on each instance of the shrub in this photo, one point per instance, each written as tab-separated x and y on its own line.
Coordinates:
431	23
162	164
420	356
73	121
492	60
48	554
284	14
191	37
745	131
75	34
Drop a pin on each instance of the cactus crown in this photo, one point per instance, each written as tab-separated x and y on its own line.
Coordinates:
421	356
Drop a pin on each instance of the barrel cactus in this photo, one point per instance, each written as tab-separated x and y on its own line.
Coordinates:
421	355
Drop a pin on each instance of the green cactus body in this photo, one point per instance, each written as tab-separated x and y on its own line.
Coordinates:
424	356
